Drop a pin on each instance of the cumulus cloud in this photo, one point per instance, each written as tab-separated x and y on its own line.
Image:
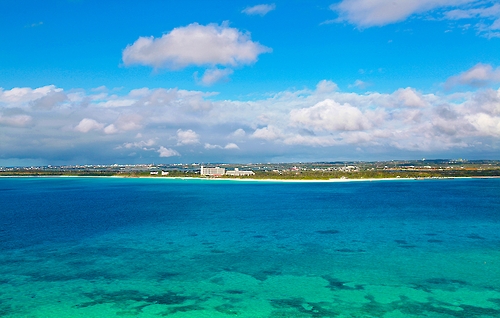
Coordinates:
324	87
195	44
143	144
167	152
477	76
187	137
126	122
260	9
50	100
285	124
26	94
410	98
330	116
268	133
486	101
228	146
110	129
238	133
88	124
486	124
210	146
231	145
369	13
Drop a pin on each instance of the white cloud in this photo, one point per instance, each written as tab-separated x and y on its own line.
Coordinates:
483	15
410	98
238	133
117	103
110	129
87	125
368	13
231	145
212	76
50	100
329	115
268	133
15	94
173	98
26	94
486	124
209	146
128	122
489	15
187	137
143	144
101	88
359	84
167	152
195	44
228	146
324	87
260	9
285	123
479	75
487	101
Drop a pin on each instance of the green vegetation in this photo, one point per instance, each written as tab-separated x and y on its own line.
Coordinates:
282	171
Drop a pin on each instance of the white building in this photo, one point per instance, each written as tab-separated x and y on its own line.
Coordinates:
238	173
217	171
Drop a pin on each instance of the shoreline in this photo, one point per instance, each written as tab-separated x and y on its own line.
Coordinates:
333	180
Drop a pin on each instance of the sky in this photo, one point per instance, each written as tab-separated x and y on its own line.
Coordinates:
105	82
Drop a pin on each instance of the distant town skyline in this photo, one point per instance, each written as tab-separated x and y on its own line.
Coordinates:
87	82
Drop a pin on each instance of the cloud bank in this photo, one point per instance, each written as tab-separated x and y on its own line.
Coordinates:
320	123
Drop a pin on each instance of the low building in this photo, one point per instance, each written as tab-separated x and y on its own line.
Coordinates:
238	173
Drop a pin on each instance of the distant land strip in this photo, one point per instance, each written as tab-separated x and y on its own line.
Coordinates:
441	168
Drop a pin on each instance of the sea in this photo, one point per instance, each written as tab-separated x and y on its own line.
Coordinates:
159	247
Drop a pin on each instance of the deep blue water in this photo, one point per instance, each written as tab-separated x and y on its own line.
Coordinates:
95	247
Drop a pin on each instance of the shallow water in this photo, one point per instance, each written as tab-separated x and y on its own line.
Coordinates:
97	247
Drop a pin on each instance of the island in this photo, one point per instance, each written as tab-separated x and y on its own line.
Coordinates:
338	170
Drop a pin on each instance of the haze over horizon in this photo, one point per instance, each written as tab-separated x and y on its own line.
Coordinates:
86	82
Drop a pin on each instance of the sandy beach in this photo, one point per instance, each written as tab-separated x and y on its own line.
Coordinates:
250	179
301	181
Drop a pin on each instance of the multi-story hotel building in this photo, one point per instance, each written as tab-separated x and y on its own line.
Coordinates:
217	171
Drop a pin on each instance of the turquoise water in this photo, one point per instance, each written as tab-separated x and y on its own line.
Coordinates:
104	247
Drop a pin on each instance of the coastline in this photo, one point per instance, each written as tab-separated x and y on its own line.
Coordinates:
332	180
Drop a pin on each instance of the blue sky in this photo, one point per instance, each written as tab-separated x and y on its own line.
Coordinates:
242	81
